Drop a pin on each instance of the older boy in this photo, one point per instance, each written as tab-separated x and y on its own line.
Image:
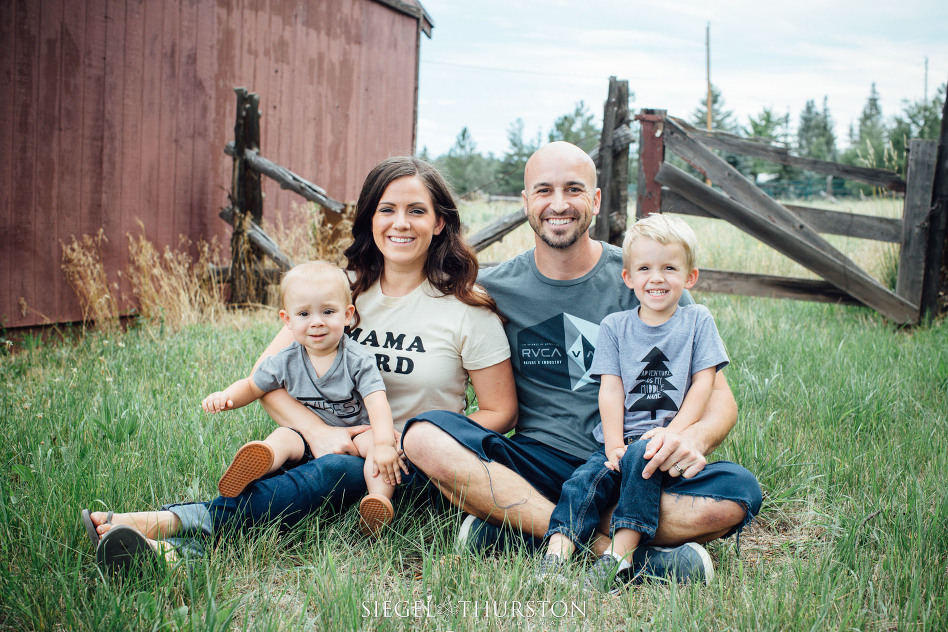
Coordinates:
656	364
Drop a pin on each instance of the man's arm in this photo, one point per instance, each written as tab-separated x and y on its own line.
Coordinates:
689	448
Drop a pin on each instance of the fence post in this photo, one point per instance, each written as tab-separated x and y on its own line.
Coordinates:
246	198
651	156
915	219
613	166
936	266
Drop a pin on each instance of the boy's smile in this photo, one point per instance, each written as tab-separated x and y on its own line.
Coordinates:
658	274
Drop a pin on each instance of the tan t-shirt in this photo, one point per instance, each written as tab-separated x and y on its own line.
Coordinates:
424	344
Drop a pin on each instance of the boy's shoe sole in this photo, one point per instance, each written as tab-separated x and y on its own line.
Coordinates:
688	562
121	547
375	512
251	462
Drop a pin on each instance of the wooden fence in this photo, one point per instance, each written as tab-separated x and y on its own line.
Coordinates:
795	230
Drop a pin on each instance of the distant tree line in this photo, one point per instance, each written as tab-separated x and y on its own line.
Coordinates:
874	140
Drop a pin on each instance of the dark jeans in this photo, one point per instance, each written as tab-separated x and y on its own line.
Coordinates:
331	482
594	487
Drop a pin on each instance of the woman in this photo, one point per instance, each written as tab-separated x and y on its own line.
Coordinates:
430	328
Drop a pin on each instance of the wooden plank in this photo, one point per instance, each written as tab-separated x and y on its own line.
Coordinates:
204	189
848	278
744	191
606	174
821	220
167	115
496	231
769	286
758	149
25	96
150	149
651	156
916	217
935	280
48	169
188	96
133	205
8	216
288	180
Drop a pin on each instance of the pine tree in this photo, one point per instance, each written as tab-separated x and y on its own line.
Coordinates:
577	127
815	136
772	127
721	120
653	385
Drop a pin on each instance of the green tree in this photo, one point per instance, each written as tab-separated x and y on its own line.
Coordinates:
772	127
722	120
918	119
815	136
577	127
466	169
868	148
510	170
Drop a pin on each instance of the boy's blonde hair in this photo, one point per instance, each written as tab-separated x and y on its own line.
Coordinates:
315	272
665	230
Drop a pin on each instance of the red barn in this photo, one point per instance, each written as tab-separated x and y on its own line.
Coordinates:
117	111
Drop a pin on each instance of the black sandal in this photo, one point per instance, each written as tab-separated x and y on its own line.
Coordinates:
90	526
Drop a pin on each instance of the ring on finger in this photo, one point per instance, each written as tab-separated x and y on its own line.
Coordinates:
680	469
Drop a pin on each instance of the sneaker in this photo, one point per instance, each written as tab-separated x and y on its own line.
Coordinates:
552	569
375	511
478	536
604	575
688	562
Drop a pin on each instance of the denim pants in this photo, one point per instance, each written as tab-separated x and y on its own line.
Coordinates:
593	488
285	497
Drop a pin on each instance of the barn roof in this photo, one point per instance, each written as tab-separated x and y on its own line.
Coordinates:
414	9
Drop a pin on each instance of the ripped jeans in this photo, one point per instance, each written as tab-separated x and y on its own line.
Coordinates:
593	488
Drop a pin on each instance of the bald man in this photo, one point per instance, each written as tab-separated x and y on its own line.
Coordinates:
555	296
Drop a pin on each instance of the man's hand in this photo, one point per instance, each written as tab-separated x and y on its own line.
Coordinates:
671	452
323	440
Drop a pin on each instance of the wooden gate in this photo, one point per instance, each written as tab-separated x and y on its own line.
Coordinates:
794	230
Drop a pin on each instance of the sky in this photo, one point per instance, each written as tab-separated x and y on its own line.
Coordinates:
490	62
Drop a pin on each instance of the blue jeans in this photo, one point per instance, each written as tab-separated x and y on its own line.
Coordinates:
333	482
594	487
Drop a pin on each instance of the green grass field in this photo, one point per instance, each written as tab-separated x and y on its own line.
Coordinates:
842	418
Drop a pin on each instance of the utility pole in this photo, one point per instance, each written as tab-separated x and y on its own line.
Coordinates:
926	80
707	55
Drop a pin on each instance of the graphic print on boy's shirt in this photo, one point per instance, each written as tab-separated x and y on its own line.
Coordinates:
652	384
558	351
343	408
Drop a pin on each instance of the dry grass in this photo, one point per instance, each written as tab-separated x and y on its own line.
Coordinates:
85	272
173	287
170	286
306	233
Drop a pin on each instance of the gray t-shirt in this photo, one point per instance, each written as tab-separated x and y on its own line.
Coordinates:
552	328
656	363
336	396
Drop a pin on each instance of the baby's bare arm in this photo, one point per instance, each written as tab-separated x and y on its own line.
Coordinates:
237	395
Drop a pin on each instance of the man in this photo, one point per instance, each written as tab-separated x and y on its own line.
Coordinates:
555	296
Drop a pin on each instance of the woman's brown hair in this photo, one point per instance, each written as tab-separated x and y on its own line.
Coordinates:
451	265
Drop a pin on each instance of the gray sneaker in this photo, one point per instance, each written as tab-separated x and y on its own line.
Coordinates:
478	536
552	569
688	562
604	575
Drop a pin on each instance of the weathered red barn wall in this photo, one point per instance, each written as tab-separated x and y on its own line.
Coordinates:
115	112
